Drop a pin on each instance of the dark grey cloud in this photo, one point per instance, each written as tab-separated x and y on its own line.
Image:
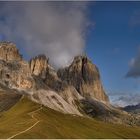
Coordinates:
56	29
134	70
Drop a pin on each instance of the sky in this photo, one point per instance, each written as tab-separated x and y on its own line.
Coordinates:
114	45
108	32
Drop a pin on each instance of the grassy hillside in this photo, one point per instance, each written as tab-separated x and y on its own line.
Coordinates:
30	120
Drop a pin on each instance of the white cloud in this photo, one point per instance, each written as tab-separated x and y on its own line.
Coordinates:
124	99
56	29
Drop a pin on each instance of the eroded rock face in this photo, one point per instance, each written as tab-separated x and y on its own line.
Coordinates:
14	71
15	74
38	66
84	76
9	52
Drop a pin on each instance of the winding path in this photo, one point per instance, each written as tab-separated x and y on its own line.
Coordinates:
37	121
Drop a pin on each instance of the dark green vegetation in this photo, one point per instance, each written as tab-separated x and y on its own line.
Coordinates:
48	123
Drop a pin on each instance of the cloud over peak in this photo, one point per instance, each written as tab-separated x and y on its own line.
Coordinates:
56	29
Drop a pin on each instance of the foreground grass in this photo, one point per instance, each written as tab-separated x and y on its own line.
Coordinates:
53	124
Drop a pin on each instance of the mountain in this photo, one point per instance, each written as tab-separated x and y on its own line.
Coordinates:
133	108
45	85
85	77
74	90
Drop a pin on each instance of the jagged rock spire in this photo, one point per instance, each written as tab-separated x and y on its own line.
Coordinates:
9	52
38	65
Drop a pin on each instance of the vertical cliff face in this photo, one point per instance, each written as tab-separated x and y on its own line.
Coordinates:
15	75
39	65
84	76
9	52
14	71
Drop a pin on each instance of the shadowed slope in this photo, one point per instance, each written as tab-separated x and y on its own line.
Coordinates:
7	98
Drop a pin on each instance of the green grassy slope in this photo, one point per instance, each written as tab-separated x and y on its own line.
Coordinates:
52	124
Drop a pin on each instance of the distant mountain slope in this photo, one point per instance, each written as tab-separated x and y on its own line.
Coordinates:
27	119
133	108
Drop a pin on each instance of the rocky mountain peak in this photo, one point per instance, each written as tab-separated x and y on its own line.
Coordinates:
85	77
9	52
87	71
38	65
80	58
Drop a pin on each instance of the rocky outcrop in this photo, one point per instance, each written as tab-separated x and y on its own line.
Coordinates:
9	52
41	70
16	75
14	71
84	76
38	66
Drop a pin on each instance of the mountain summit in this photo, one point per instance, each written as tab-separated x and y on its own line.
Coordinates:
9	52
